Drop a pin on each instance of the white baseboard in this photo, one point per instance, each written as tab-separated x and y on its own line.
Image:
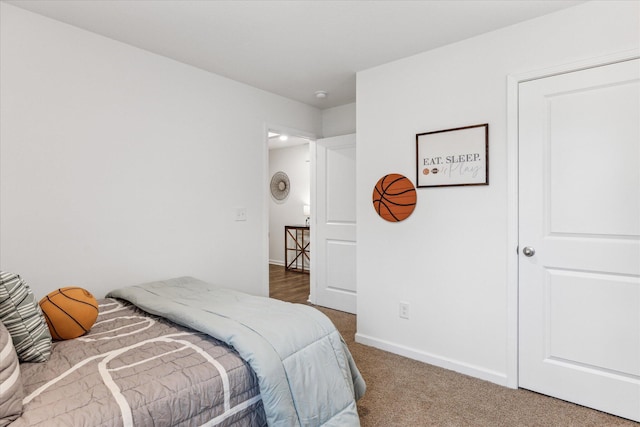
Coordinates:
443	362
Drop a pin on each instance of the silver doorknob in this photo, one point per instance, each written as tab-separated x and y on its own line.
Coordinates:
528	251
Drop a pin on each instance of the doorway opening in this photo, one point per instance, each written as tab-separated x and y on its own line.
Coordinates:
289	214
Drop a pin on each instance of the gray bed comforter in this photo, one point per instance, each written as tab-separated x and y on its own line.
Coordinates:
306	374
136	369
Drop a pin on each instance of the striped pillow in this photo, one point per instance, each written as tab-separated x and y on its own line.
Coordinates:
21	314
11	391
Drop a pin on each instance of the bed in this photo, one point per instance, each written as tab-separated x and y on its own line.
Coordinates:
182	352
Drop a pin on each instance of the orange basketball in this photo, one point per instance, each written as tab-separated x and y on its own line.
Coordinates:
394	197
69	312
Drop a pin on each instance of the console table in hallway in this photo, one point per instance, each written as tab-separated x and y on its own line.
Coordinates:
296	248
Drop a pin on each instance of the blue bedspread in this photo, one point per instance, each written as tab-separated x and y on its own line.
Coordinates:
306	373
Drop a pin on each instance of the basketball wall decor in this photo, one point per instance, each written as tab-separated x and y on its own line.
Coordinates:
70	312
394	197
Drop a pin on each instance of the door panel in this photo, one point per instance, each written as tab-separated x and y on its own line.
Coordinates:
579	209
605	318
582	197
341	257
339	161
334	264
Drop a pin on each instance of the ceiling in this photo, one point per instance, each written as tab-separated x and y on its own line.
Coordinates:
276	142
291	48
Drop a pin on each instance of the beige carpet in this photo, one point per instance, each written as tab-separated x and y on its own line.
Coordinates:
404	392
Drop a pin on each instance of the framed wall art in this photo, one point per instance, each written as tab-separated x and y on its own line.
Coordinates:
453	157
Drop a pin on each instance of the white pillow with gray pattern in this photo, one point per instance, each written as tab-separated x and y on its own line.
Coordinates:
23	318
11	391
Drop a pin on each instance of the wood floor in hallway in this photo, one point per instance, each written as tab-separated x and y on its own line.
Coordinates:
287	285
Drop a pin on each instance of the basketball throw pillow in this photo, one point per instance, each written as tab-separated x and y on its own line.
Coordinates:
70	312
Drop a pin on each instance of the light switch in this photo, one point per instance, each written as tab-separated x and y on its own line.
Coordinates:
241	214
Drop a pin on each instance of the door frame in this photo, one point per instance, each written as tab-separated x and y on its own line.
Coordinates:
513	81
266	191
313	244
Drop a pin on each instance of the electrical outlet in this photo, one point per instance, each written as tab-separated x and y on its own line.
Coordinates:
404	310
241	214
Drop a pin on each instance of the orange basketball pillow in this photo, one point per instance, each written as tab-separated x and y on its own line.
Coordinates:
69	312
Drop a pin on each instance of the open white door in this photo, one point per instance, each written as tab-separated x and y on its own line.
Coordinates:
579	257
333	219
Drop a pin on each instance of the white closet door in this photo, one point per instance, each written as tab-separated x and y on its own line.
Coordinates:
579	255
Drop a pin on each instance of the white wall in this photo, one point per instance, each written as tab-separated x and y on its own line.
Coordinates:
339	120
449	259
294	161
119	166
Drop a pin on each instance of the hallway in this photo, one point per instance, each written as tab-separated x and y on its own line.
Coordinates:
288	286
